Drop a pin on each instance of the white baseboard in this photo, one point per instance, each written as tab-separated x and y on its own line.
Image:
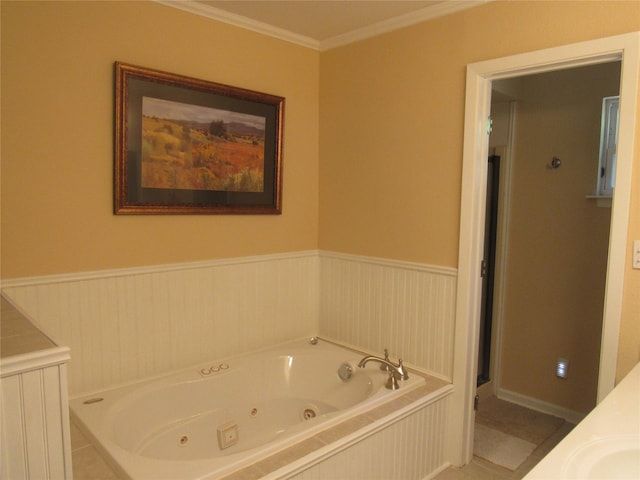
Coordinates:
570	416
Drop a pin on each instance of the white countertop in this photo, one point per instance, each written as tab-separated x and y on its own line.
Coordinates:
605	445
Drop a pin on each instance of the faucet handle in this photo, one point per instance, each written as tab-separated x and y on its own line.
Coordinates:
402	371
383	367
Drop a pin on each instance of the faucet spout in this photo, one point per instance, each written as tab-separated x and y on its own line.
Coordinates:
373	358
398	370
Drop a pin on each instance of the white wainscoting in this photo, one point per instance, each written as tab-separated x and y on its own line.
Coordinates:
406	307
410	449
128	324
124	325
36	441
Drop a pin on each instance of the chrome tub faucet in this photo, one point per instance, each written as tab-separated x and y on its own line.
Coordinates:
396	371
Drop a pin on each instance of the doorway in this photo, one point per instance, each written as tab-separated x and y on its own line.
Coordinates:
554	239
475	152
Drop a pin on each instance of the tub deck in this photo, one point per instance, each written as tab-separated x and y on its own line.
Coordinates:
342	430
86	458
338	436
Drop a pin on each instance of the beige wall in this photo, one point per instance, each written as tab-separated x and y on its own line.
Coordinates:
389	133
57	135
558	239
391	130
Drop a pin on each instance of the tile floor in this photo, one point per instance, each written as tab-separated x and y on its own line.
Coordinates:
87	462
544	430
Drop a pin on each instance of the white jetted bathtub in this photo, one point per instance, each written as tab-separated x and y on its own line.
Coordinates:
203	422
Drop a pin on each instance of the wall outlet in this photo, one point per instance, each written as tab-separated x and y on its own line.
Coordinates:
636	254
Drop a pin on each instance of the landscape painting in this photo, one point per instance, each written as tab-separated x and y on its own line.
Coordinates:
200	148
189	146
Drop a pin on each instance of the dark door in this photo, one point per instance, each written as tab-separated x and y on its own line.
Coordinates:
488	269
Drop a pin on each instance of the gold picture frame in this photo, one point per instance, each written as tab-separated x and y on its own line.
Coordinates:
189	146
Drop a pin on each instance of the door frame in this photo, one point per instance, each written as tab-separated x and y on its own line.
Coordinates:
624	48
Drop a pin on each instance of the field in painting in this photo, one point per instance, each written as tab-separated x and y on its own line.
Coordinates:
186	155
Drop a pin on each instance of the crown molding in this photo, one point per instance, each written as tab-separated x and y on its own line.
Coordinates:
241	21
412	18
401	21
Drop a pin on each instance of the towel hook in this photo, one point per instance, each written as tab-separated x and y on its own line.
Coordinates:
555	163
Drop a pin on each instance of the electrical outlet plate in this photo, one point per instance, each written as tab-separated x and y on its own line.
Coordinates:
636	254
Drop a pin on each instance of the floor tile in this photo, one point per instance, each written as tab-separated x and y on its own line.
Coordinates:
546	431
78	440
453	473
89	465
516	420
480	469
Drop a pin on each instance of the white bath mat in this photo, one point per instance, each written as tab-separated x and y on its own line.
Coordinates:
500	448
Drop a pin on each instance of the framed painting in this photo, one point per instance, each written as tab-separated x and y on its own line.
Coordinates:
189	146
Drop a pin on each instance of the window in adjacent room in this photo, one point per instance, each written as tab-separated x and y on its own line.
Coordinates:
608	144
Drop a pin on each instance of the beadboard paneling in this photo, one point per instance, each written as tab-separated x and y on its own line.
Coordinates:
410	449
130	324
35	426
375	304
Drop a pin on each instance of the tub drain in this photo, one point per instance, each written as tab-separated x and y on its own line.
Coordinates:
309	412
183	440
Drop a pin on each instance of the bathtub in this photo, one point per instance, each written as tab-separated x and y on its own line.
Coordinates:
207	421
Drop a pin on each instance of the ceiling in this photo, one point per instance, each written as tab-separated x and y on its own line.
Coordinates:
322	24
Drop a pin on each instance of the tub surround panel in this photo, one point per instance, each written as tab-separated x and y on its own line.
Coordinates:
128	324
33	402
131	324
35	425
411	448
376	303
